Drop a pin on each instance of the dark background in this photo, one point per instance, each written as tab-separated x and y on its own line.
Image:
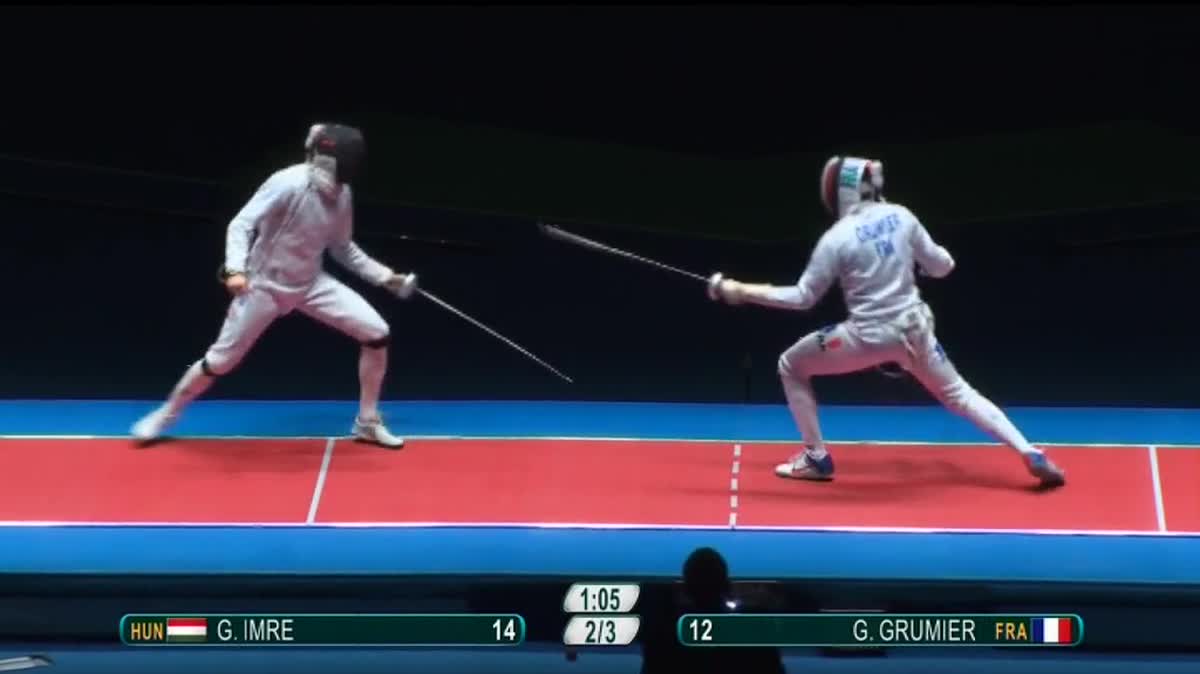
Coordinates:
1051	149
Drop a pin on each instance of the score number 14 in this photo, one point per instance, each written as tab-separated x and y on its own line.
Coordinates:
506	630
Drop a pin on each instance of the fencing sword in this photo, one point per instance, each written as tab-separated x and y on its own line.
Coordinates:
563	235
409	287
25	663
888	370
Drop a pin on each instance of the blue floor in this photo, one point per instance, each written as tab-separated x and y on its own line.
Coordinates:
605	553
627	420
1141	559
532	659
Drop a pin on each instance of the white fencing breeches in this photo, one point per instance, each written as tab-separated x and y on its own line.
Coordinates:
252	312
327	301
909	341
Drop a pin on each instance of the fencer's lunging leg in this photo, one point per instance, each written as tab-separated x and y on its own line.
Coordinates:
249	315
193	385
372	367
965	401
833	350
339	307
802	403
939	376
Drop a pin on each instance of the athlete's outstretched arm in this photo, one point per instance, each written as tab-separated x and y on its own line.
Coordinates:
818	277
349	255
933	259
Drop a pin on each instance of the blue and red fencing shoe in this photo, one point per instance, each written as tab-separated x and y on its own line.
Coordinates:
1044	469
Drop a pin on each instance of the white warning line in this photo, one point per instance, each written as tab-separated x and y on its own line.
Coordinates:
734	469
317	490
1160	512
593	526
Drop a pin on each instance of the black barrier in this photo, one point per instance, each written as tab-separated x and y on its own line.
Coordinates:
79	608
108	301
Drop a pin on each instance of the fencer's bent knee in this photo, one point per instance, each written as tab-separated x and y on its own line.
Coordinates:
207	368
371	330
377	334
785	369
220	362
380	343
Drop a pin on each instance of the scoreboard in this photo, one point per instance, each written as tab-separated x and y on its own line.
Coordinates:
834	630
602	615
497	630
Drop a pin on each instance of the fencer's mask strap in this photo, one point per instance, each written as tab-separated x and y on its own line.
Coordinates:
314	132
875	173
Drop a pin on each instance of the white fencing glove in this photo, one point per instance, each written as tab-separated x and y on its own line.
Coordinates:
403	285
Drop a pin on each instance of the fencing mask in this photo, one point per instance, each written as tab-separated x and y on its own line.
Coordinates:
846	181
338	148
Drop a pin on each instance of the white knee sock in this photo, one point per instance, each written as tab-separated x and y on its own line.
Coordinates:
802	402
985	415
372	366
193	383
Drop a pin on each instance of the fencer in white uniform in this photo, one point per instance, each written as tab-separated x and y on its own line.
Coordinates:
873	252
273	266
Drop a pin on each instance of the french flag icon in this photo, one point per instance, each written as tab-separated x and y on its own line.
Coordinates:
1054	630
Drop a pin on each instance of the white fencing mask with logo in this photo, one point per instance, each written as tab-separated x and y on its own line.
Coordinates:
847	181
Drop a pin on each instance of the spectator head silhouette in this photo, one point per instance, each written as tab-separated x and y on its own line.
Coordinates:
706	578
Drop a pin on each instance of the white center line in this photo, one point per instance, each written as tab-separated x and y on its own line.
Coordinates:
316	497
1159	512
